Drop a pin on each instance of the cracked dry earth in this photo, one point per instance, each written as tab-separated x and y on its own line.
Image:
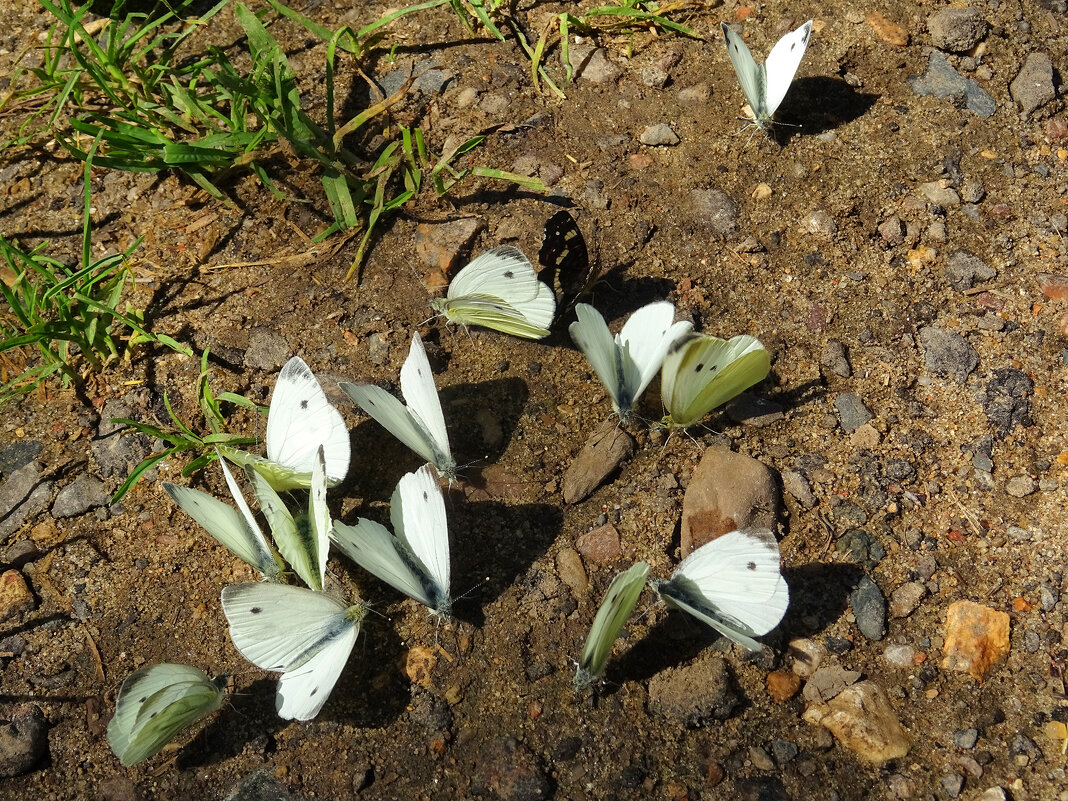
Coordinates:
901	253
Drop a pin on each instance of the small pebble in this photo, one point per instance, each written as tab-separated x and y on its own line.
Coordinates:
900	656
658	136
1020	486
966	738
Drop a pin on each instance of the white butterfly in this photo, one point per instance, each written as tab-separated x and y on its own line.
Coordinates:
765	85
157	702
500	290
627	363
305	635
420	425
702	372
234	528
733	584
300	420
304	539
415	560
616	607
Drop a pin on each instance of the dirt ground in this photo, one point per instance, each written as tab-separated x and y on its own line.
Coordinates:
802	264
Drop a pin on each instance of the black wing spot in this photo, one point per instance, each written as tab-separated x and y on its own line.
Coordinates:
313	692
699	368
426	497
304	405
509	274
255	610
153	715
751	566
143	699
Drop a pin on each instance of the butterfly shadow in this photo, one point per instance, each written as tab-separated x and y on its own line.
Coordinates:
673	641
494	545
819	595
817	104
247	719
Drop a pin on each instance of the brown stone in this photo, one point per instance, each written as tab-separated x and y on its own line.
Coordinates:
598	459
15	597
887	31
600	545
571	571
419	663
728	491
783	685
976	638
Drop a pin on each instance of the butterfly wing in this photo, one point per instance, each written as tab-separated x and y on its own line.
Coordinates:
734	584
616	607
417	386
294	537
643	342
503	272
279	627
372	547
303	692
236	529
300	420
751	76
500	290
417	511
155	704
782	64
703	372
565	260
392	415
591	334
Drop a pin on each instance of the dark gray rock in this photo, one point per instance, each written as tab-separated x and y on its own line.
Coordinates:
952	784
941	80
17	455
259	785
509	770
957	30
23	740
948	353
1032	87
78	497
24	495
862	546
852	413
696	694
784	751
869	608
836	358
963	269
1006	400
714	211
117	449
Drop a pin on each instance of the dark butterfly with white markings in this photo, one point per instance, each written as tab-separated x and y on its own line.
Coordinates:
565	261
